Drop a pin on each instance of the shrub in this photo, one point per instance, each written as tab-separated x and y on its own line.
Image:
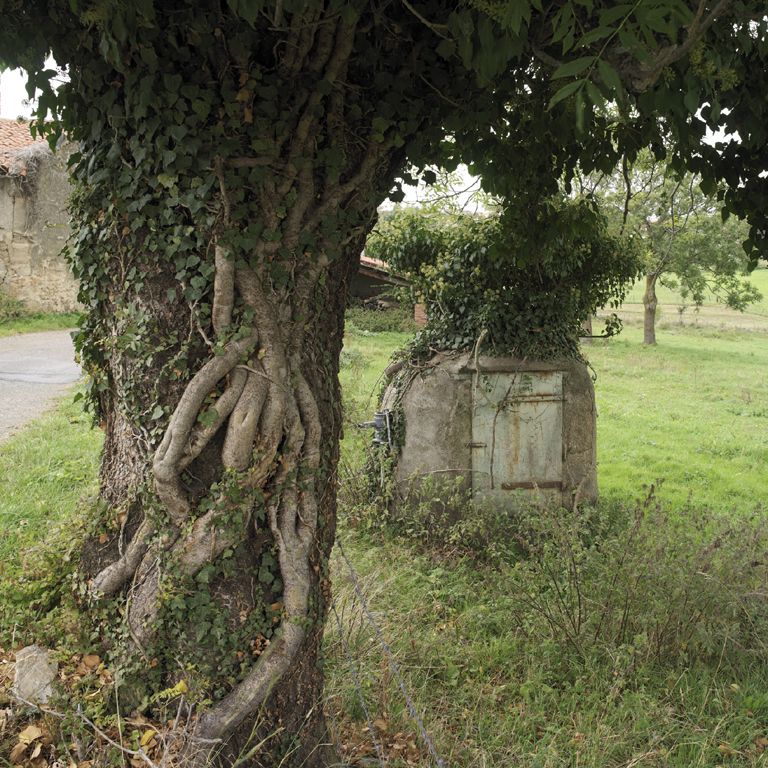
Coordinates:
10	308
658	584
663	585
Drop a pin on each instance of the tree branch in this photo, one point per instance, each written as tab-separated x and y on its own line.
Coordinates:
695	34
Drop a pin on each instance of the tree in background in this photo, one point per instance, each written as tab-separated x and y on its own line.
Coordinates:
689	241
232	159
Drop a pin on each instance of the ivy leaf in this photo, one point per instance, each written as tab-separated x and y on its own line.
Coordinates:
380	124
349	13
208	417
167	180
446	49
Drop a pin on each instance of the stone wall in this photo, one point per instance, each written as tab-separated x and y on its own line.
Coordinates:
34	226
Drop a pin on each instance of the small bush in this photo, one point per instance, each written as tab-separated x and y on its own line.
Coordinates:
669	586
11	309
377	321
353	359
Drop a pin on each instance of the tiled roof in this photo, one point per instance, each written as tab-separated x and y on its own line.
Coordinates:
375	263
380	269
14	136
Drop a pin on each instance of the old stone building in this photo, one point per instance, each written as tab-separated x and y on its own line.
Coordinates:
34	189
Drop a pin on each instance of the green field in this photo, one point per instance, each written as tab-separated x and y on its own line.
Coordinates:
712	314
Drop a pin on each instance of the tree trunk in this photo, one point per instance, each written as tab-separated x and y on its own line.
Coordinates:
227	191
649	309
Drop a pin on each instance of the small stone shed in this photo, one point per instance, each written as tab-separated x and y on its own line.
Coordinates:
34	224
512	430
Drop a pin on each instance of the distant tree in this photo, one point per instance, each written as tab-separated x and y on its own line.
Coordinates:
689	243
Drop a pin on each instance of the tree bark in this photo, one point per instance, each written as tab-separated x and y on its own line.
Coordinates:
228	192
650	303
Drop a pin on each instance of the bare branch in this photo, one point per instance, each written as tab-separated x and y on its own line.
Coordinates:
434	27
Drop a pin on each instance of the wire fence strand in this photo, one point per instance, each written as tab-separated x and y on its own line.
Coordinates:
411	707
336	739
357	685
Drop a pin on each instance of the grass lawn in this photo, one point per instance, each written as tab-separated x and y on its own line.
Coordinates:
34	323
692	410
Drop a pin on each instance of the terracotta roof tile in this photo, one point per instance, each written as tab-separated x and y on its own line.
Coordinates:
373	262
14	136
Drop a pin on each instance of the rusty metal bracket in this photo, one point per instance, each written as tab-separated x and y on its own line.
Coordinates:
533	485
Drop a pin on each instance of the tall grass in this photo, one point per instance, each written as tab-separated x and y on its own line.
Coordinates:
632	634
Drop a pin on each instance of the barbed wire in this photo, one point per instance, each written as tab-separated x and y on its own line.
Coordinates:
357	685
336	738
411	707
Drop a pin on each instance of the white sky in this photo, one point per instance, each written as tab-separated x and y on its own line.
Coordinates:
12	93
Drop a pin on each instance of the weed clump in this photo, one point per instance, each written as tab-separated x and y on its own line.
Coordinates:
11	308
669	585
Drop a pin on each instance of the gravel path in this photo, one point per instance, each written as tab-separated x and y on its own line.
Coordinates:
35	369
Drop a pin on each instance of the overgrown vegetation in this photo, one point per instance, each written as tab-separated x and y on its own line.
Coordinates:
15	318
553	263
10	308
636	636
633	633
231	161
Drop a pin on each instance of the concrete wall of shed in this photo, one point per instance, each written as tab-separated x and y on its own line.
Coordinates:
34	227
438	409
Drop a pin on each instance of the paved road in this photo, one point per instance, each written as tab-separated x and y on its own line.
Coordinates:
34	369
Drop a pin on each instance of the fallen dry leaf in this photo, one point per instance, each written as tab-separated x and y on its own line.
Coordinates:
30	733
146	736
18	751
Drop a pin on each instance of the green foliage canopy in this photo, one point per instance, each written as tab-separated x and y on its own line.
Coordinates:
688	238
523	285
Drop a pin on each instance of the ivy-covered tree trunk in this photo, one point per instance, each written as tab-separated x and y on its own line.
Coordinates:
230	172
650	302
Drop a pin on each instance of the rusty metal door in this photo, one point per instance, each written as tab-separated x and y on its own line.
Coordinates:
517	436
